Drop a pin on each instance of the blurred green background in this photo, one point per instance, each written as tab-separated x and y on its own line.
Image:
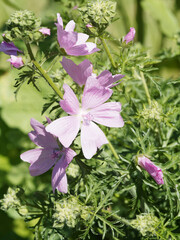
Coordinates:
156	22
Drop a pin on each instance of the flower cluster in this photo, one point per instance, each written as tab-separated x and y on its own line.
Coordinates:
11	199
69	212
146	223
82	117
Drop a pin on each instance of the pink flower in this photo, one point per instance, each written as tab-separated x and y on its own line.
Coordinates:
75	7
93	109
80	73
16	62
89	25
45	31
130	36
9	48
151	168
73	43
49	154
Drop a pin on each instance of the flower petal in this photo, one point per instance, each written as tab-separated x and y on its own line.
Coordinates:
92	137
59	179
70	103
106	79
40	159
70	26
83	49
108	114
81	38
9	48
79	73
65	128
40	137
59	19
94	96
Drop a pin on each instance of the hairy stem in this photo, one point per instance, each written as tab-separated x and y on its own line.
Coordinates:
145	88
43	73
113	150
108	52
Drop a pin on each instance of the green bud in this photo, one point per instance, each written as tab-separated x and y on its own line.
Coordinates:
154	112
23	211
73	170
69	212
11	199
146	223
23	25
99	14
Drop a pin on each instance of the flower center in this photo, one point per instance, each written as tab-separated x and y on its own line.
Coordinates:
56	153
87	118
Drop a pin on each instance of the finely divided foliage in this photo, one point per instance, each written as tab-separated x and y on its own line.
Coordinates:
112	142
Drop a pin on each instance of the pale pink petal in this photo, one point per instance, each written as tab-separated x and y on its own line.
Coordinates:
70	26
59	179
40	160
92	82
66	39
40	137
95	96
79	73
108	114
45	31
70	103
81	50
91	47
106	79
81	38
92	137
65	128
59	19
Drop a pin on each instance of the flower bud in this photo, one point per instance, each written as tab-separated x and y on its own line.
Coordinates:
99	14
145	223
16	62
45	31
151	168
22	25
23	210
130	36
11	199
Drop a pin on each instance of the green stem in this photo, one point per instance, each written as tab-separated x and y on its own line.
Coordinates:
43	73
48	79
108	52
113	150
145	88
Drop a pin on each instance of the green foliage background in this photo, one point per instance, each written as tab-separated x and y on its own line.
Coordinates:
156	21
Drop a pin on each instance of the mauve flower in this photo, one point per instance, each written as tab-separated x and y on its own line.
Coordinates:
89	25
80	73
93	109
9	48
151	168
45	31
49	154
73	43
16	62
130	36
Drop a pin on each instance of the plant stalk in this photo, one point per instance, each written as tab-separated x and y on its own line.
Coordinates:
145	88
108	52
113	150
43	73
